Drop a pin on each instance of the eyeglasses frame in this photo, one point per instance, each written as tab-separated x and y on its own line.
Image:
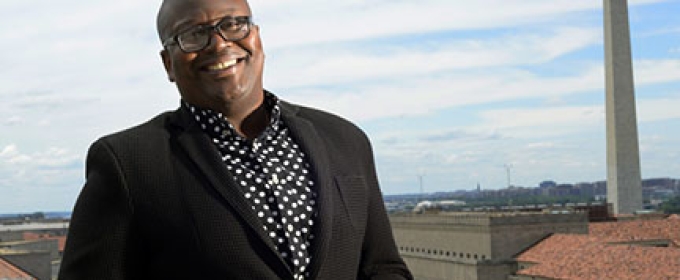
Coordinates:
213	28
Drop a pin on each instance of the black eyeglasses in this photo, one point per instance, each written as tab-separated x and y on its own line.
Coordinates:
198	37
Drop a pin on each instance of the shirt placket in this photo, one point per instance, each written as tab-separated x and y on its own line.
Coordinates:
273	175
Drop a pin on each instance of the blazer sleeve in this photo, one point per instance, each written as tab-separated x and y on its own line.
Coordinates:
380	257
98	238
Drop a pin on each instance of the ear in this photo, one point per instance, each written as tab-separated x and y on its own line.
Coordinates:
167	63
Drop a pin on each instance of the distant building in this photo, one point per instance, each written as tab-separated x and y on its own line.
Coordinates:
10	271
470	246
437	206
547	184
36	264
34	247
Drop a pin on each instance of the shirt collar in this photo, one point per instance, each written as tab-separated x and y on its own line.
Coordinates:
210	119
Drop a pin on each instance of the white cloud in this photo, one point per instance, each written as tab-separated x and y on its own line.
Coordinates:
9	150
498	81
649	71
296	67
38	181
12	120
556	117
422	95
651	110
12	158
293	23
389	18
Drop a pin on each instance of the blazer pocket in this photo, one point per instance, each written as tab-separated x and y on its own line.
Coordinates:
354	199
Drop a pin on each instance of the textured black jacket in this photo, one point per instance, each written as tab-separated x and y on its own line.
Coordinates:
158	203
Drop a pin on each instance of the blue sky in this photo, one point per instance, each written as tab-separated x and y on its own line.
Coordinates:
452	91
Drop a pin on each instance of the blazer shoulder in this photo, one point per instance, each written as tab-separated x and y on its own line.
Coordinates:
325	121
151	131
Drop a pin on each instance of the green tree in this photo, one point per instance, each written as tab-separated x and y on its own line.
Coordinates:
671	206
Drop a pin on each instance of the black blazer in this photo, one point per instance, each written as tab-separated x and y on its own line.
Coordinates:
158	203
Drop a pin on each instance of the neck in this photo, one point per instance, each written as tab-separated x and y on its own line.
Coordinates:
252	124
247	113
249	119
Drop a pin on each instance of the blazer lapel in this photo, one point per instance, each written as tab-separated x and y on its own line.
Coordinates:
205	156
305	134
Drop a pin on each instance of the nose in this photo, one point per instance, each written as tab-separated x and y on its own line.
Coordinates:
217	42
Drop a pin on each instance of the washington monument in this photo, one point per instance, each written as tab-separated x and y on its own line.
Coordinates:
624	188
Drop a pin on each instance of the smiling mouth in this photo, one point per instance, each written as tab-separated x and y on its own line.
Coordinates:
224	65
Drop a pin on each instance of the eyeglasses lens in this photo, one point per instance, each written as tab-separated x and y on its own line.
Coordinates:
231	29
194	40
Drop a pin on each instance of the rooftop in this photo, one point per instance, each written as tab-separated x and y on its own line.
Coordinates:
30	236
34	226
9	271
608	252
639	230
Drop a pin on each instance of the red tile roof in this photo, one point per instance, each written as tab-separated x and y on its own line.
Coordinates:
9	271
598	256
36	236
637	230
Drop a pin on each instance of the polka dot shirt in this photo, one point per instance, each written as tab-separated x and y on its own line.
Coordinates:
274	175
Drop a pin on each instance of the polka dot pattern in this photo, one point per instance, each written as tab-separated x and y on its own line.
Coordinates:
274	175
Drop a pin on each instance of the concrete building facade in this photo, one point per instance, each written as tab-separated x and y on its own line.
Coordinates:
470	246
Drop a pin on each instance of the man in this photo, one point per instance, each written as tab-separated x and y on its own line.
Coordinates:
235	184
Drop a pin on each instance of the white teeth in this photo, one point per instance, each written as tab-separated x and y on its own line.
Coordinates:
223	65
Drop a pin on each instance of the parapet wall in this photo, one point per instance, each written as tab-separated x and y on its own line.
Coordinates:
457	242
445	219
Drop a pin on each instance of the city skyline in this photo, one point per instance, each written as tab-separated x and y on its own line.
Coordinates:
452	93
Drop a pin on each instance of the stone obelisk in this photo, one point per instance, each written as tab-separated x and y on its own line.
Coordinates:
624	187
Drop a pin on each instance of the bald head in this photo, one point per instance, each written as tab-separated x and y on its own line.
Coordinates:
163	16
224	75
171	11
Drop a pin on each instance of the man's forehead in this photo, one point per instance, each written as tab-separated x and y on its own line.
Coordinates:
174	13
188	6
